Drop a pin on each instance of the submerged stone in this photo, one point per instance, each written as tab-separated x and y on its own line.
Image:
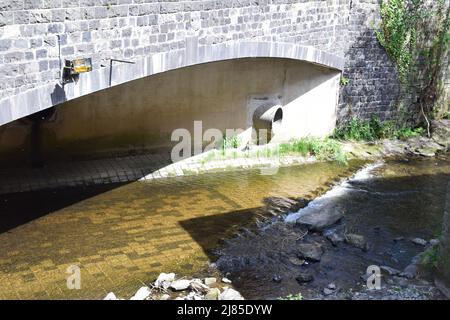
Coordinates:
304	276
357	241
320	220
310	251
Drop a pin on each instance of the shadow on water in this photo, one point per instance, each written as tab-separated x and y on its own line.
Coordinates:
19	208
380	209
212	231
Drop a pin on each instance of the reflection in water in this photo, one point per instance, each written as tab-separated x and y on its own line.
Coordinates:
128	235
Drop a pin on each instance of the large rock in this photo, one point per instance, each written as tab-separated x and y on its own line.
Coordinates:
357	241
110	296
164	280
318	220
310	251
142	294
304	276
334	237
423	146
180	285
213	294
441	132
230	294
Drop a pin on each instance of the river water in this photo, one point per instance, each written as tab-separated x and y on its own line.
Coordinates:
121	236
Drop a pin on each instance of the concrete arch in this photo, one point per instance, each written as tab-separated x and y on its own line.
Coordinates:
41	98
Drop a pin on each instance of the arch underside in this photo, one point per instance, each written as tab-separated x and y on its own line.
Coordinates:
41	98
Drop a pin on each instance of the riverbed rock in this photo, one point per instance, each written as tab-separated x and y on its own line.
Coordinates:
390	271
419	241
320	220
142	294
226	280
277	278
212	294
110	296
230	294
423	146
357	241
179	285
334	237
440	130
310	251
296	261
210	281
327	291
434	242
304	277
164	280
198	286
410	272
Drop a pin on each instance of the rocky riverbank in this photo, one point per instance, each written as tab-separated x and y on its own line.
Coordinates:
324	249
168	287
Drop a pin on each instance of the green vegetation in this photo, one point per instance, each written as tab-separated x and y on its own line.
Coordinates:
322	149
397	33
431	257
297	296
344	81
374	129
416	36
230	142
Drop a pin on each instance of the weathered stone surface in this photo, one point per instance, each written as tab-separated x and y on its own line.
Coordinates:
110	296
419	241
209	281
230	294
179	285
334	237
304	276
213	294
357	241
296	261
441	132
142	294
164	280
320	220
390	271
310	251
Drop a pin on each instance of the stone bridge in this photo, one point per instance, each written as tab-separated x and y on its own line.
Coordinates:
37	35
208	60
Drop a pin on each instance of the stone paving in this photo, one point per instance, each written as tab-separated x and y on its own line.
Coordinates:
129	169
127	236
80	173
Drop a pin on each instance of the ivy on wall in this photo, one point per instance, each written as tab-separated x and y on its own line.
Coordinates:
416	36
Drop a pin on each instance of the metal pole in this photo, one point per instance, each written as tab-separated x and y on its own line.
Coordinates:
111	67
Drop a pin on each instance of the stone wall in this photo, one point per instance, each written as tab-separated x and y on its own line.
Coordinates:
373	87
36	34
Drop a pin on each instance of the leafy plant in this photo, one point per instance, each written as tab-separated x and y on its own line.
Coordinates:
374	129
297	296
431	257
322	149
344	81
230	142
416	36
